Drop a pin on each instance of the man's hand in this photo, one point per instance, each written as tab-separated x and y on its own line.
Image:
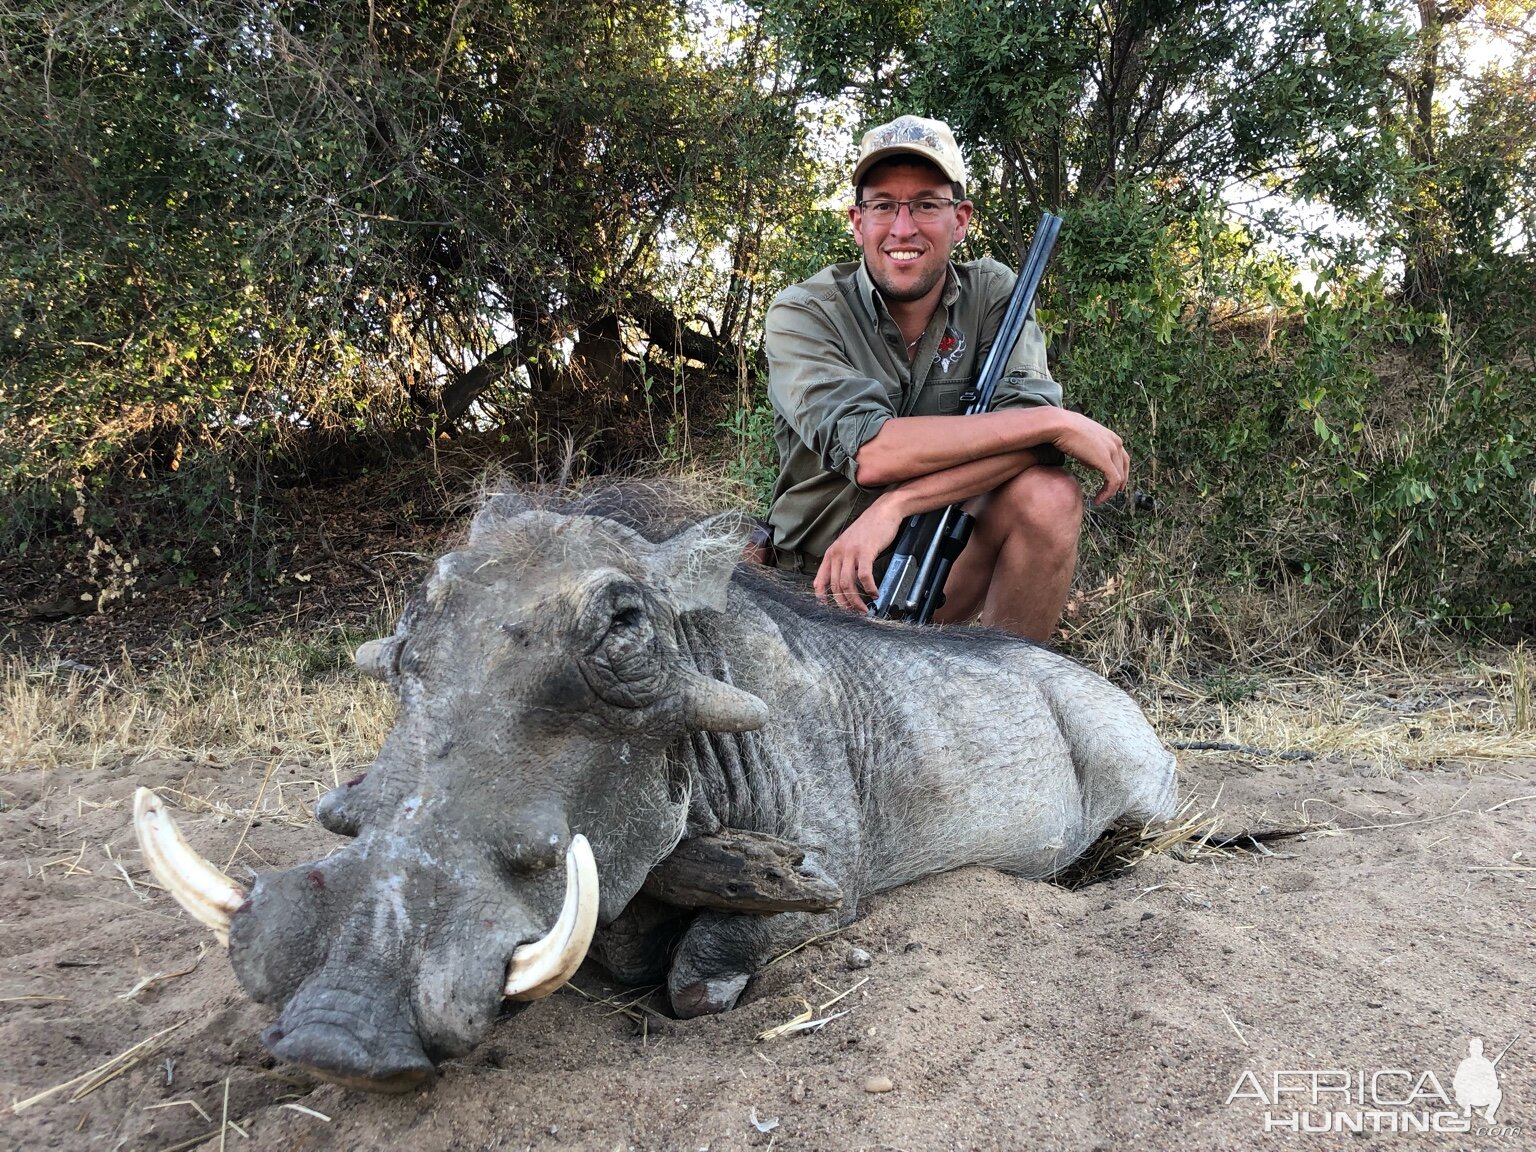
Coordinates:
847	571
1090	443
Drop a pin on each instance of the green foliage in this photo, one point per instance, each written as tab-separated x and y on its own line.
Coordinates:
1345	443
1062	100
755	464
815	238
261	231
239	244
1424	470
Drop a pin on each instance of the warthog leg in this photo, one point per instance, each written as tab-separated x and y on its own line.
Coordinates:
721	950
637	945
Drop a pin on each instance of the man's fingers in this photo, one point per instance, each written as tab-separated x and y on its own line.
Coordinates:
852	600
846	575
1116	477
867	577
830	577
860	580
847	594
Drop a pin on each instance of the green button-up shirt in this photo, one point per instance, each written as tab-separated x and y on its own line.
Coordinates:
837	371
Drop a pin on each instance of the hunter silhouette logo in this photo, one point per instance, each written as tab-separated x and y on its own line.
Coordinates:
1363	1100
1476	1082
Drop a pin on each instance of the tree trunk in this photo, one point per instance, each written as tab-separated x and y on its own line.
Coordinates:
1426	243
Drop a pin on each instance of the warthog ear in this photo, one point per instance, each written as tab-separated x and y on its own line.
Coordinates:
498	509
695	566
711	705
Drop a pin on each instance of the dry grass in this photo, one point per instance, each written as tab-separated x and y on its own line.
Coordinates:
302	703
289	699
1391	718
1146	595
1474	712
1292	669
87	1082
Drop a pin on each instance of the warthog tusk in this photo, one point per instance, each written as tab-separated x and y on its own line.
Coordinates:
539	968
198	886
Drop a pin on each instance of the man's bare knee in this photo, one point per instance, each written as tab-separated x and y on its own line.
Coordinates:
1042	503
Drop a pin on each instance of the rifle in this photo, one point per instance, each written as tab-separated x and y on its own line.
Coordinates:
930	542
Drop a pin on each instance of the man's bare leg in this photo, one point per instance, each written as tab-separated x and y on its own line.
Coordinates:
1017	569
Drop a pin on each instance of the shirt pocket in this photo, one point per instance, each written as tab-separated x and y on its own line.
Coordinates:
943	398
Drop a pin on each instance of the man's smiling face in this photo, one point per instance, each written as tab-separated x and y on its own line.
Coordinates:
907	259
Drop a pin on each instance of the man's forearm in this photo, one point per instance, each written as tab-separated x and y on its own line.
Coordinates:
953	485
917	446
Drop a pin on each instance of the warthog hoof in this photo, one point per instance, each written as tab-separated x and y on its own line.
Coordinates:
705	997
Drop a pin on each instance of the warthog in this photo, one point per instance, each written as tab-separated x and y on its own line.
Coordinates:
583	700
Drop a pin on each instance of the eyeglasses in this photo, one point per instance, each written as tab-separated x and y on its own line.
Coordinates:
924	210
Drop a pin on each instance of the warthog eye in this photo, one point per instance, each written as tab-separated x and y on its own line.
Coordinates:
629	630
624	651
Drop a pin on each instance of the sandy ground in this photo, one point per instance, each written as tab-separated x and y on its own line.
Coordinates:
1004	1014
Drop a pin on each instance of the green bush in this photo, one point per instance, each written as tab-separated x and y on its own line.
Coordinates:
1339	440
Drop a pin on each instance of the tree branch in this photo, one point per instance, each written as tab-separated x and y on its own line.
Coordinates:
461	393
666	331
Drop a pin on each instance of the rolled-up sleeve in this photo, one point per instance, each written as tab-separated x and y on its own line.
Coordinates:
830	405
1027	381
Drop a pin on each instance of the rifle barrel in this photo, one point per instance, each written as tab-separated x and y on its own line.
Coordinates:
917	596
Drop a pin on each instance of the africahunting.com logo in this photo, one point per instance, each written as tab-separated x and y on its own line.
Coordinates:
1319	1100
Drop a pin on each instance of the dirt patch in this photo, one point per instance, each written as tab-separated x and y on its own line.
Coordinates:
1002	1013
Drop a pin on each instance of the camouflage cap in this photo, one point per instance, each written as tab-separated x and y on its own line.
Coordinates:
912	136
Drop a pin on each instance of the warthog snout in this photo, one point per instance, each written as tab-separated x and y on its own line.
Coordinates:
390	955
351	1038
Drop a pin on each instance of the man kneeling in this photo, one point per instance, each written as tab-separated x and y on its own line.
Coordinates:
869	367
